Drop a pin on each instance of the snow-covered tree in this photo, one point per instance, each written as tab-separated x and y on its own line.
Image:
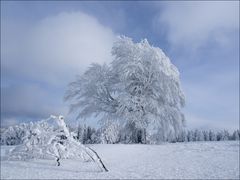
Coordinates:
236	135
95	137
79	133
182	137
212	136
198	135
226	135
87	135
190	136
201	136
48	142
219	136
133	134
140	87
206	135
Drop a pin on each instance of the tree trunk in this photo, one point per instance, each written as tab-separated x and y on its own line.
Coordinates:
98	158
58	163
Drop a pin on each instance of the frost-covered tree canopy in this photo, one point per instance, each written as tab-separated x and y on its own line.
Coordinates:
141	86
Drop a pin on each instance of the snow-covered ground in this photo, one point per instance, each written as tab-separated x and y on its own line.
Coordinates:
200	160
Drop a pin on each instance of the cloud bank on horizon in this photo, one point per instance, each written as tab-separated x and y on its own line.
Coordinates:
44	45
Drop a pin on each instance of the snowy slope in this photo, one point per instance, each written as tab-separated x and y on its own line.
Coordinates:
200	160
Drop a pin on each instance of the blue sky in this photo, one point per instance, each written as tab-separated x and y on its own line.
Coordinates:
44	45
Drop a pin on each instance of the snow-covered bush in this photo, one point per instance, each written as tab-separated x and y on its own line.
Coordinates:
15	135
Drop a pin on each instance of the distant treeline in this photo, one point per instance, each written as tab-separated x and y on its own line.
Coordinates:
89	135
15	135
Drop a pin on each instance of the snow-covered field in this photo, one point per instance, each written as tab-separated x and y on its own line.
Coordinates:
200	160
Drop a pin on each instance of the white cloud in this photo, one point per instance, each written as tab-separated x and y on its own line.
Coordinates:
39	59
55	48
193	23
